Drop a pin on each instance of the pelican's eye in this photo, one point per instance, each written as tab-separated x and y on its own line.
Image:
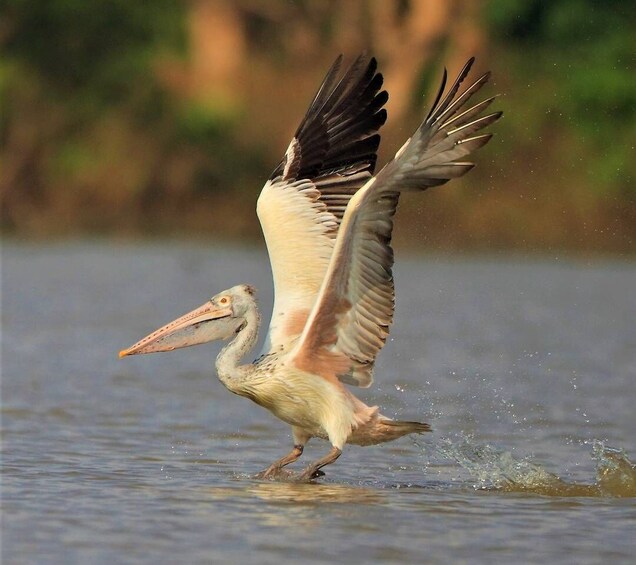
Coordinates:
224	300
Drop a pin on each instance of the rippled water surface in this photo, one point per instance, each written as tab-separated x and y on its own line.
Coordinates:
525	369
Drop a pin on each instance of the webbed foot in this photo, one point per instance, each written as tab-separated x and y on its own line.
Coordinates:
310	474
273	474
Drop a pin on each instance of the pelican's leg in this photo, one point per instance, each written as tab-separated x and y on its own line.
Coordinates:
300	439
313	470
275	467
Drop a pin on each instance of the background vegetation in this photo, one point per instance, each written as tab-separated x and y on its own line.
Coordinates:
165	117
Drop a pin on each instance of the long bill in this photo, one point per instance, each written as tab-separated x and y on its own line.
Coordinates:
206	323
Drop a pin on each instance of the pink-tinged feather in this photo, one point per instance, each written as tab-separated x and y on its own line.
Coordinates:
294	322
323	363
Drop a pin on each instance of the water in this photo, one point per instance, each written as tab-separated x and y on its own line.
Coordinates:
525	369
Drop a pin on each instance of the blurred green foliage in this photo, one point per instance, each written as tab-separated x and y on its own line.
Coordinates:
104	126
97	48
580	56
88	127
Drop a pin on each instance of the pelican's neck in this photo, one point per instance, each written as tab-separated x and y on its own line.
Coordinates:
228	367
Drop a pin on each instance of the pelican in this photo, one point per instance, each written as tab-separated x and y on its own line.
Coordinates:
327	221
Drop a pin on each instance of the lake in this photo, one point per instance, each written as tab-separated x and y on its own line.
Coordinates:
525	368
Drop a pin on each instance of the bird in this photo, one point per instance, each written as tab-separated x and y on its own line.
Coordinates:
327	218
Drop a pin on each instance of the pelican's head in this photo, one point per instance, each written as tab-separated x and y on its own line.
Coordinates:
220	318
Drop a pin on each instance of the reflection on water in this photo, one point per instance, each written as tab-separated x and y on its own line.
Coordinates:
519	363
308	493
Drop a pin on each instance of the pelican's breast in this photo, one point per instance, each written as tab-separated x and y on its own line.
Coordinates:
301	399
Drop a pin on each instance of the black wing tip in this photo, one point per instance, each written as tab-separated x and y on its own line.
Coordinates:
380	118
438	96
456	97
485	77
468	65
382	98
347	110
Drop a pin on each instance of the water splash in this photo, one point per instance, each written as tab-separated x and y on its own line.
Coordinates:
493	468
615	473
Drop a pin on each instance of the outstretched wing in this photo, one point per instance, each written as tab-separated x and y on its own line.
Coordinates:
332	154
350	321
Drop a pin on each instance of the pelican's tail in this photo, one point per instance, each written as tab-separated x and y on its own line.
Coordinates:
401	428
382	429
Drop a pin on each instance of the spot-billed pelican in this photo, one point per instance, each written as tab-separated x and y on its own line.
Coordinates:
327	222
